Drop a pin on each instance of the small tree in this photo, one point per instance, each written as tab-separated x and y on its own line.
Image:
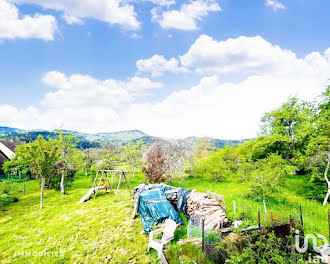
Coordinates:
41	156
156	167
133	154
267	175
66	145
203	148
109	157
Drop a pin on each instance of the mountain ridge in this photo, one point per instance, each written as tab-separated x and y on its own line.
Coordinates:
96	139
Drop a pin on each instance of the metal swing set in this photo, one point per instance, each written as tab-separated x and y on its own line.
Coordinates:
106	179
104	182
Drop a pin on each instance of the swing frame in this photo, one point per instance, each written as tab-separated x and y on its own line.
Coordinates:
104	182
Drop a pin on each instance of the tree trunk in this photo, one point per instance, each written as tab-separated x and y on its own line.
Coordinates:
62	183
133	167
86	172
42	192
20	175
327	180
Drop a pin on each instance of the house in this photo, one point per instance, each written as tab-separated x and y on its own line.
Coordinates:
7	151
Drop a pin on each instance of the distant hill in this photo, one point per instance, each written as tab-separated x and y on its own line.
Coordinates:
95	140
7	131
217	143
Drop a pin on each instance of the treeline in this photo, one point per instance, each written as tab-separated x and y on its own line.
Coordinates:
294	140
55	161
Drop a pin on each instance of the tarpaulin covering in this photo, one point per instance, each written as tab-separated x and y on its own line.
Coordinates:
182	199
155	208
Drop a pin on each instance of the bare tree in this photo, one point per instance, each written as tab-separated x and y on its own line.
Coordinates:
156	168
177	154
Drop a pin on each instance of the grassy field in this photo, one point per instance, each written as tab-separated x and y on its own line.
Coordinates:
98	231
102	230
290	198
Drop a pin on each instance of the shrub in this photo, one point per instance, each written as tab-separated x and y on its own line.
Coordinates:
8	193
186	254
156	168
264	249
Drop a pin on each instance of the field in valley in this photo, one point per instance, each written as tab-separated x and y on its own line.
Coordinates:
102	230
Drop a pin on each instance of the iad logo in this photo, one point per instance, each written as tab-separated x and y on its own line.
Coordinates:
322	250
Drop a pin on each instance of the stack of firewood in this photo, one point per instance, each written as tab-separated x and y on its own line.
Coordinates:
200	207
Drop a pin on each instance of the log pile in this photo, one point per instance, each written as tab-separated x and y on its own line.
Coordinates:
199	206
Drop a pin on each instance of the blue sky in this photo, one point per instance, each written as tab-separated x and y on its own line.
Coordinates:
170	68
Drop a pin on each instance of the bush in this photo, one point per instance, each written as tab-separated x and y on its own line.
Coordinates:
8	193
263	249
267	176
212	167
186	254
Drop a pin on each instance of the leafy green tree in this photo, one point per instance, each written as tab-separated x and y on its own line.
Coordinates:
203	148
40	156
267	175
132	154
318	150
287	130
108	157
213	167
67	149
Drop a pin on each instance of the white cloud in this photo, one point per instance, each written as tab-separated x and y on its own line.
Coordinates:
12	25
223	110
157	65
247	55
78	100
158	2
114	12
243	55
230	109
187	17
275	4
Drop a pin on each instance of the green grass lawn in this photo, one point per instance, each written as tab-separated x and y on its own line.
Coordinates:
315	216
102	230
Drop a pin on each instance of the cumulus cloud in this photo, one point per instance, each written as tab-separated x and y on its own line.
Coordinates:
187	17
157	65
242	55
114	12
212	107
224	110
13	25
247	55
275	4
78	100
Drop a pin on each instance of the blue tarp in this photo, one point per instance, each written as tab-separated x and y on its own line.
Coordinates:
155	208
182	199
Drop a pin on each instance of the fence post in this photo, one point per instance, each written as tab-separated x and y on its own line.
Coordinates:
242	205
234	204
259	224
329	223
265	208
301	220
203	235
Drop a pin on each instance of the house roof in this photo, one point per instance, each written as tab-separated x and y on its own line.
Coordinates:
10	144
7	148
